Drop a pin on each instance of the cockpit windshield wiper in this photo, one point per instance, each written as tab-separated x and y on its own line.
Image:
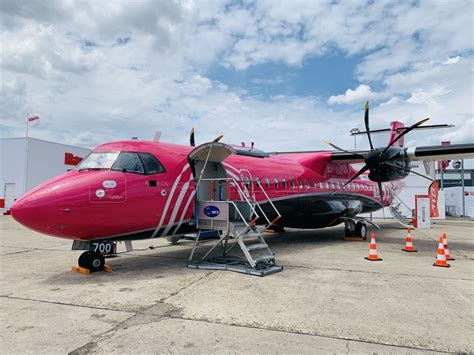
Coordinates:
91	169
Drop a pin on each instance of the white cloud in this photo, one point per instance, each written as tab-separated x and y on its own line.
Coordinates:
98	71
360	94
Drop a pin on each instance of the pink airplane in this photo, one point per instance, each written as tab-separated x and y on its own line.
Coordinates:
131	190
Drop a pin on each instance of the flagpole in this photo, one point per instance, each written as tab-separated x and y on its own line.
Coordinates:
26	155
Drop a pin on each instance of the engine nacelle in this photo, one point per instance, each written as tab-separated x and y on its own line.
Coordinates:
393	164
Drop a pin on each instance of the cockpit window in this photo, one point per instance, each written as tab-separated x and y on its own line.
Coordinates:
98	160
128	162
142	163
151	164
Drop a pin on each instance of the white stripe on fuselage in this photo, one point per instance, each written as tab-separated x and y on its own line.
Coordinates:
168	201
181	195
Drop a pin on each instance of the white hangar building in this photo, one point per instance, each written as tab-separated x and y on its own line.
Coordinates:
27	162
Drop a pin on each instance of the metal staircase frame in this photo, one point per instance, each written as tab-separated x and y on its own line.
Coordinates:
238	232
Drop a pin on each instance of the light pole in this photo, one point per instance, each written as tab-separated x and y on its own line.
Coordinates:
353	132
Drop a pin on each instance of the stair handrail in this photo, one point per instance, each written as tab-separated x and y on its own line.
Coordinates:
239	189
259	184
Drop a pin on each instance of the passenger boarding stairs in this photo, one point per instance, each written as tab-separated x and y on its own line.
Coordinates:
237	225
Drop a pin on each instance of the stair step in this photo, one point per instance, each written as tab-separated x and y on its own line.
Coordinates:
251	234
261	258
256	246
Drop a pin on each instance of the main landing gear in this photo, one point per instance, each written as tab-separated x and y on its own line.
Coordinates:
356	229
93	261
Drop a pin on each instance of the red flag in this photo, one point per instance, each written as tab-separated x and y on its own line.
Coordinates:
33	118
433	193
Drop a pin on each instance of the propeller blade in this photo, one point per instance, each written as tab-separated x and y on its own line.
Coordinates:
343	150
419	123
217	139
191	138
359	173
366	120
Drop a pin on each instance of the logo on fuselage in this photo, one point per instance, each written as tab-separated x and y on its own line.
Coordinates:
211	211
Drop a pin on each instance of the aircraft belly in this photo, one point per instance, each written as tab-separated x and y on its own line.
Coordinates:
315	211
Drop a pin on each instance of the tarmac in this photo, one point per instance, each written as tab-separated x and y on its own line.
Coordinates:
328	299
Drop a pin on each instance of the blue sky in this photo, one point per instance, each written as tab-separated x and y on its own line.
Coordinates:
284	74
316	76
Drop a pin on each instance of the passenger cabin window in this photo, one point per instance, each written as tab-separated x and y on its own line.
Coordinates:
315	184
267	182
300	183
128	162
307	184
247	181
320	185
151	164
257	181
277	185
293	184
285	184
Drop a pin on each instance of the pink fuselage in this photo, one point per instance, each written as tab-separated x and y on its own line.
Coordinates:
68	206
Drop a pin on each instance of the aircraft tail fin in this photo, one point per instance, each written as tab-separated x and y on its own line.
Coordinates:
396	128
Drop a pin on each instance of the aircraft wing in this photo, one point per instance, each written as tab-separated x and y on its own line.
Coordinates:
423	153
441	152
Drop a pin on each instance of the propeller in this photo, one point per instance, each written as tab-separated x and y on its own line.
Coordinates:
191	138
192	142
376	159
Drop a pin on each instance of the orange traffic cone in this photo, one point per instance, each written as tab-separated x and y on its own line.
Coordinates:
441	257
446	249
373	249
409	243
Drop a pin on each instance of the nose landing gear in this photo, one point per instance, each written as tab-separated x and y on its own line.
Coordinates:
92	260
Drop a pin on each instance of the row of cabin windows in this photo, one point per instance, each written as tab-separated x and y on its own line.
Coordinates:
306	183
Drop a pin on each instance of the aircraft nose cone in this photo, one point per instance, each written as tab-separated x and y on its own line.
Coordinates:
36	210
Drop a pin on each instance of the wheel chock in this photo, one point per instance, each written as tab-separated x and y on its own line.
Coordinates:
80	269
85	271
354	239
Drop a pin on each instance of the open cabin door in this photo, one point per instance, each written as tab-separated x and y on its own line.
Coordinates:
220	208
212	185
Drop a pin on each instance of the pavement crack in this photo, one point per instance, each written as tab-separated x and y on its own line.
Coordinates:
308	334
65	304
174	293
374	272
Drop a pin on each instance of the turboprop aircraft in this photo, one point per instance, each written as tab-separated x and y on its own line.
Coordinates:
131	190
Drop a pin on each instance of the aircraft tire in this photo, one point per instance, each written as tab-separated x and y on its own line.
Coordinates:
349	229
361	230
92	261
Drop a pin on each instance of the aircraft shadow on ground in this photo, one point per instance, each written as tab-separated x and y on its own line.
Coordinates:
172	258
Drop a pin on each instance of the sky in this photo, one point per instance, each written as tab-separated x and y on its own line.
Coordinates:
286	75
